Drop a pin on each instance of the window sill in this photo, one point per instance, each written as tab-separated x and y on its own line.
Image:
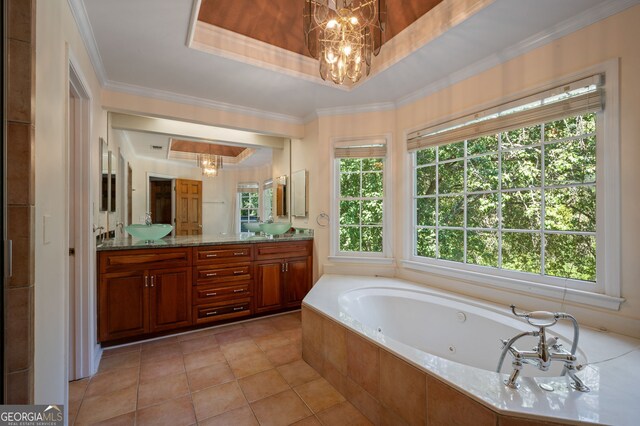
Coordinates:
367	260
487	280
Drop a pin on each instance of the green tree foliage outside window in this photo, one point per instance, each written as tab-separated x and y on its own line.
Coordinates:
248	208
361	204
522	200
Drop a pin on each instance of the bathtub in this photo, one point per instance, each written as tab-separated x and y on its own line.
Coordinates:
455	342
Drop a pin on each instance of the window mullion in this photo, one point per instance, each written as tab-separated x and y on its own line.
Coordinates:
464	190
437	193
500	200
542	201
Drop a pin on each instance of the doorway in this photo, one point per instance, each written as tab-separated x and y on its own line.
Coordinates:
161	199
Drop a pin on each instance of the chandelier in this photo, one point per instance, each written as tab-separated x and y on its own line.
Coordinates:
343	35
210	164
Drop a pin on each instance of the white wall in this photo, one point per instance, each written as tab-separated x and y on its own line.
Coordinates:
56	37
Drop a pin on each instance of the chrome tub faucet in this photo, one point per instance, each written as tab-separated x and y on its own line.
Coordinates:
547	350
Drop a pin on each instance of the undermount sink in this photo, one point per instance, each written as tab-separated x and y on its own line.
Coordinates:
148	232
275	228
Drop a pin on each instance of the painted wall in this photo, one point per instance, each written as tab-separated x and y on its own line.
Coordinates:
56	38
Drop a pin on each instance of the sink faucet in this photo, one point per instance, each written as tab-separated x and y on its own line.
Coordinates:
547	350
147	218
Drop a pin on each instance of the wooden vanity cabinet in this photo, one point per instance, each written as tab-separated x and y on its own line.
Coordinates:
223	282
136	295
283	274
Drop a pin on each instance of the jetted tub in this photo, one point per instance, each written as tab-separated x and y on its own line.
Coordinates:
457	341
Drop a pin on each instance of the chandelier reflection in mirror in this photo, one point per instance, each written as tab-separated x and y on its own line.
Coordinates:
344	35
210	164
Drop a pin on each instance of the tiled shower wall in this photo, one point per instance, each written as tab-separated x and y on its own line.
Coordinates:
20	159
385	388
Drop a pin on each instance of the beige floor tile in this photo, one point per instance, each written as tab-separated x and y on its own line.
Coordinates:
284	354
217	400
293	334
260	328
156	353
77	389
319	395
242	349
281	409
199	344
343	414
272	341
177	412
163	367
286	322
262	385
196	334
200	359
106	406
309	421
232	335
159	342
72	410
124	360
128	419
121	350
242	367
239	417
112	381
162	389
298	373
210	375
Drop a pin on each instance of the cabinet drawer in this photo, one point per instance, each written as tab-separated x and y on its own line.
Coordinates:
213	274
206	294
283	250
112	261
221	311
222	254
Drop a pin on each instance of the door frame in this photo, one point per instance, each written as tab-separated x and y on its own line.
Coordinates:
173	195
81	298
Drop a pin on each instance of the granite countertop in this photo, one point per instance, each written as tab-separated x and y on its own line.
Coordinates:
127	243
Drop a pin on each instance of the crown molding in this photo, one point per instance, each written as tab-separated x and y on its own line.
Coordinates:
584	19
79	13
164	95
356	109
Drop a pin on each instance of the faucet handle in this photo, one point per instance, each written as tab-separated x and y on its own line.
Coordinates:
537	318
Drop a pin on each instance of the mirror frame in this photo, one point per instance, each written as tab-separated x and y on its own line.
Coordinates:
299	193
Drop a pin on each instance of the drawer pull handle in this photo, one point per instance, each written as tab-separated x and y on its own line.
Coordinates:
211	313
212	274
211	294
238	272
238	253
238	309
212	255
238	290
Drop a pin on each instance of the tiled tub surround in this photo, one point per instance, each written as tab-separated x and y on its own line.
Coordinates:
393	383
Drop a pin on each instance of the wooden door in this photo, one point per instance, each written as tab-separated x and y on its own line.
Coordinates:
188	207
160	200
170	298
297	281
123	305
268	286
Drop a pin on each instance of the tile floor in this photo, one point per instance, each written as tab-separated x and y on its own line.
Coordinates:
241	374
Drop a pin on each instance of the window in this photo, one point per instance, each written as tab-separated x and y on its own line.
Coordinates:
360	198
267	200
247	204
511	192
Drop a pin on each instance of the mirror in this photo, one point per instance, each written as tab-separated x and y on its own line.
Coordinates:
281	196
112	181
104	176
299	199
169	149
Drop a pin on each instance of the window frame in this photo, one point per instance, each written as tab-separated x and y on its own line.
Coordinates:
336	255
607	289
239	209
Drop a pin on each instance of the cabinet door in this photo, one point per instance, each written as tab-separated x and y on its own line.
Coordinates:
170	298
123	305
297	282
269	286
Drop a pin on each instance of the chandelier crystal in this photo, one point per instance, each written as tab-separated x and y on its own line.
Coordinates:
344	35
210	164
